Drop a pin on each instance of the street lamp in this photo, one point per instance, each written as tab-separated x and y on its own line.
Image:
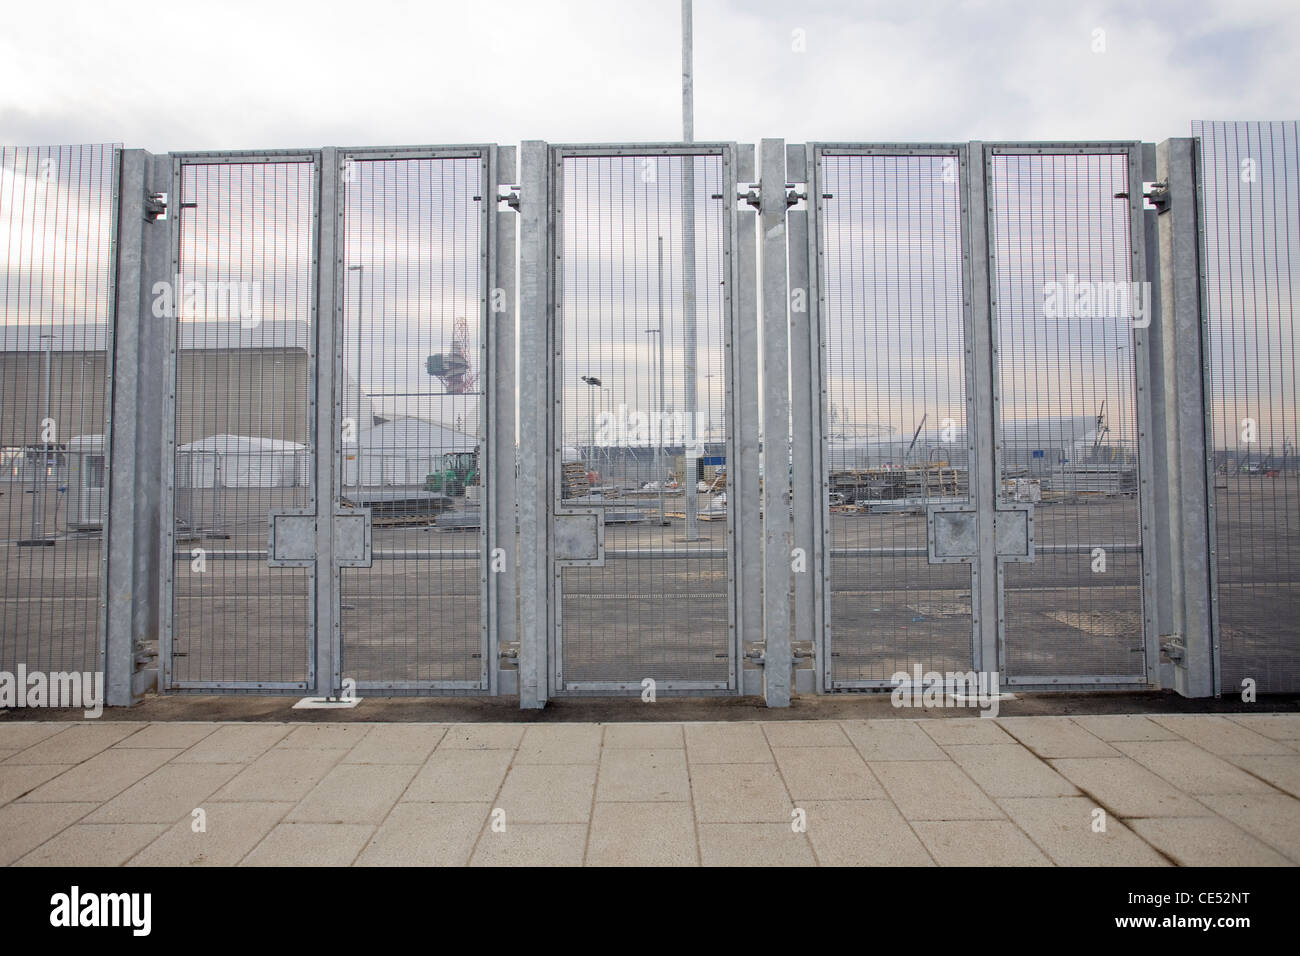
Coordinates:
591	411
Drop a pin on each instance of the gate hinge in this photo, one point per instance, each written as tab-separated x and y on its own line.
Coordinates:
802	651
795	192
1158	195
155	206
509	651
750	193
1171	646
755	654
508	195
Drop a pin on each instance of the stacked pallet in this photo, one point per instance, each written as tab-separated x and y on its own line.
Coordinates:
576	482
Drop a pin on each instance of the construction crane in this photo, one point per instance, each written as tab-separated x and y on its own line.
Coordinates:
453	368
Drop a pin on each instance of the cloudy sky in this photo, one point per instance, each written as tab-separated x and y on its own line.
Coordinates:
269	73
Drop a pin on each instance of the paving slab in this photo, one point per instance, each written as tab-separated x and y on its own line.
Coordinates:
397	744
467	776
753	844
310	844
25	826
1273	818
280	775
965	730
862	833
644	736
1055	737
934	791
17	780
1191	769
482	737
169	736
325	737
642	834
826	773
1221	736
19	735
805	733
170	793
1124	727
978	843
548	793
560	743
426	834
1277	726
231	830
726	743
102	777
1009	770
1282	771
235	743
1126	788
354	793
532	844
891	740
1062	827
643	776
99	844
77	743
740	793
1206	841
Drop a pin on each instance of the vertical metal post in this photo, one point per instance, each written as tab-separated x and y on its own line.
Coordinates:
982	471
500	508
534	423
776	427
132	529
688	79
742	465
659	408
330	269
1187	456
690	458
805	433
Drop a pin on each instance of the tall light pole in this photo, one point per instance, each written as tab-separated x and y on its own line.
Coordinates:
591	411
359	270
688	271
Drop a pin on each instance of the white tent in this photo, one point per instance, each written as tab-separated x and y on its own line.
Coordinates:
401	452
239	461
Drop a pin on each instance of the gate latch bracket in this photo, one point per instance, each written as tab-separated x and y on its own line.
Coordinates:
578	540
291	540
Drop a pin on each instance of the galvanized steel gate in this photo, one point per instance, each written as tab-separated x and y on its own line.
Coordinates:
970	413
633	459
333	445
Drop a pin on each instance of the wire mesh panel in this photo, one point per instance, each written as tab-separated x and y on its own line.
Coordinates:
1250	207
1065	308
242	444
57	210
895	380
414	418
644	436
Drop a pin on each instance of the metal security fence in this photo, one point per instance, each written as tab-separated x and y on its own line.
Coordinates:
790	419
1250	220
57	235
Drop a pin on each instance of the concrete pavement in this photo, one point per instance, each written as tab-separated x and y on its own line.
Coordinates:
1195	789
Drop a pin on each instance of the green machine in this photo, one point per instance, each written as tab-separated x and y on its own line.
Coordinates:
456	470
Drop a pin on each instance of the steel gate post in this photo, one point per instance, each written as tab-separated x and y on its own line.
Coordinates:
742	477
775	303
131	532
534	422
982	357
1184	469
805	426
501	512
329	284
